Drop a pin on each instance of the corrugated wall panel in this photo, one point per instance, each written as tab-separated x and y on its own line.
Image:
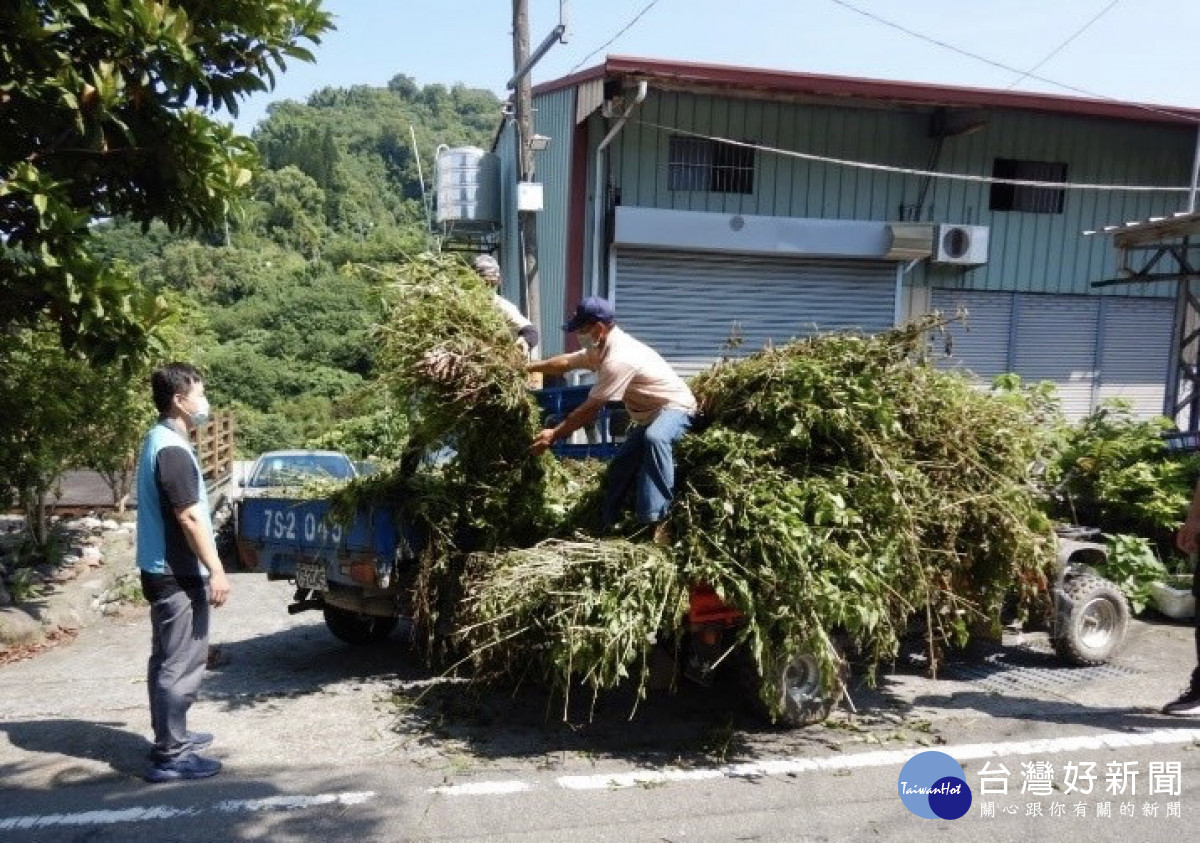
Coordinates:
510	255
1137	347
555	119
768	170
1029	252
687	307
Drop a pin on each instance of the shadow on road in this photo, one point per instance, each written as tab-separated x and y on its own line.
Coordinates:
122	750
1064	712
1031	682
703	725
690	724
301	660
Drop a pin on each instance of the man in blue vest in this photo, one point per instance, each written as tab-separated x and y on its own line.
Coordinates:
181	573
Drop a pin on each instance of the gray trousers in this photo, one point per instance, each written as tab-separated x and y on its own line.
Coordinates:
178	654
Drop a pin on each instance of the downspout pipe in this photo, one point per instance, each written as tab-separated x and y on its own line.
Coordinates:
898	309
598	194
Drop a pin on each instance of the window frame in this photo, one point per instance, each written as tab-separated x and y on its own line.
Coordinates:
1028	200
709	166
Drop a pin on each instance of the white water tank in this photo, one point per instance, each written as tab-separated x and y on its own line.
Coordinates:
467	182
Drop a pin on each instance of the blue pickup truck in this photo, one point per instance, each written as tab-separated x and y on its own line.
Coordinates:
356	574
349	572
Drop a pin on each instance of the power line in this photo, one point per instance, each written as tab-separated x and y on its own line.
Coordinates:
621	32
1064	44
992	62
910	171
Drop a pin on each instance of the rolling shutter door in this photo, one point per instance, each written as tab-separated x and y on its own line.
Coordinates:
979	344
1059	338
1136	350
687	306
1056	341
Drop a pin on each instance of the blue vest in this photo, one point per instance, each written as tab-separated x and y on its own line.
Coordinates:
151	531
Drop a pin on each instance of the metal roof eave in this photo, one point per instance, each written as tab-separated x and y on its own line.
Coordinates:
759	82
1153	230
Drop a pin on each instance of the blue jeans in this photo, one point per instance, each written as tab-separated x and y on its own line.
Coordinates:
645	463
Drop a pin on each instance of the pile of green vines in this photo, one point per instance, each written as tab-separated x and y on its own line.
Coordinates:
838	485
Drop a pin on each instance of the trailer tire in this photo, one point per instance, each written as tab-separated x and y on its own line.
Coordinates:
358	629
1091	619
803	698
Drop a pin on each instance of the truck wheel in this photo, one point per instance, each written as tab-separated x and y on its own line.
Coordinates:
800	682
357	629
1091	618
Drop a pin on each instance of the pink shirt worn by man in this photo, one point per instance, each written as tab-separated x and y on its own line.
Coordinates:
631	371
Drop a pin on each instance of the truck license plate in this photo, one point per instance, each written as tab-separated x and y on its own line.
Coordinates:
310	573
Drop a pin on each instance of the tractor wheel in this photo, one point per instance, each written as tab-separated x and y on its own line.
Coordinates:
1091	619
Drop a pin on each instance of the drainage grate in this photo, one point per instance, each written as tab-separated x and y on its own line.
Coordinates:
1021	669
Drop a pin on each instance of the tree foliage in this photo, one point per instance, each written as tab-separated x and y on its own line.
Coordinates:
282	328
103	114
58	412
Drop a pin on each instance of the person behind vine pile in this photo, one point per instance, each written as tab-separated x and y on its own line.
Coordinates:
524	333
1188	540
181	572
660	405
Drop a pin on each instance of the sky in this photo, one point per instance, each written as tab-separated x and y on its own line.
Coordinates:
1140	50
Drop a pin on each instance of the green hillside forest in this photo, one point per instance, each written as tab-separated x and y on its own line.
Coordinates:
278	305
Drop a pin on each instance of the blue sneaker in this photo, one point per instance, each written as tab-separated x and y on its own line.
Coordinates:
199	740
187	766
193	742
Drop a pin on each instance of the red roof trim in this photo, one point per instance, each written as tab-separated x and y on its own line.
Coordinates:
585	75
914	93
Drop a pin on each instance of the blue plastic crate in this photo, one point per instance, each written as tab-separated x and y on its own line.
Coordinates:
557	402
600	451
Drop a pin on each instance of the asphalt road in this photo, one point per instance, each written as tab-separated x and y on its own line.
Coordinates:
322	741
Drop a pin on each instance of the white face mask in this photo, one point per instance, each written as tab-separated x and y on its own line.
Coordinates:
586	341
202	413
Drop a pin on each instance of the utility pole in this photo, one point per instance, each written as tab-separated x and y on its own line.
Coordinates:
523	107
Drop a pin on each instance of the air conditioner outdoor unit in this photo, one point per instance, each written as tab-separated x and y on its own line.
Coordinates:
961	245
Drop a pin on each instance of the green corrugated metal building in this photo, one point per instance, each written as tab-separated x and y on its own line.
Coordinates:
709	201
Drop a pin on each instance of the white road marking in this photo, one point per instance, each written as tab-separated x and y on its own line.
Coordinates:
167	812
481	788
860	760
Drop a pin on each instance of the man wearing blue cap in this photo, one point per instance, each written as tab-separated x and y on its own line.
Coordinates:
660	405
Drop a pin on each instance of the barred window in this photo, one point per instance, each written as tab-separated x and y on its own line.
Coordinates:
1033	200
712	166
